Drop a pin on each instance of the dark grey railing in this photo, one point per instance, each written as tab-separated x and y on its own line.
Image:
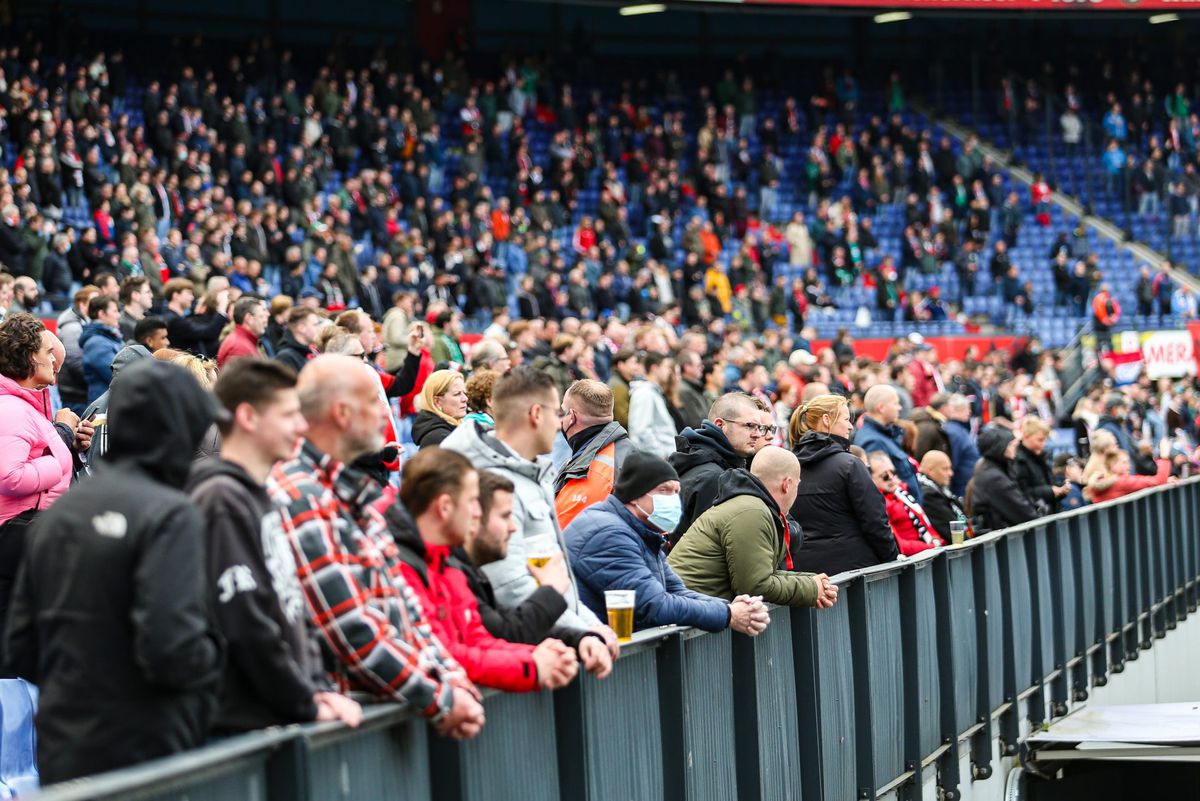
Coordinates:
920	662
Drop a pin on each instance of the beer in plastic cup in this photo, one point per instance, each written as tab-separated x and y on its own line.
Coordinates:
539	549
99	419
958	531
620	612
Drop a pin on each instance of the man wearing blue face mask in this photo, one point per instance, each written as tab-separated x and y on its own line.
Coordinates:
618	544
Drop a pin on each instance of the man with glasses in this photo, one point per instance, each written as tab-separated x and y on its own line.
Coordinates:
738	426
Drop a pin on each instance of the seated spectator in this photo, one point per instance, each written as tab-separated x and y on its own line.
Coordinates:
742	544
273	671
479	397
994	500
941	505
619	544
599	445
443	407
1069	471
1118	479
738	426
113	578
439	490
911	527
347	560
1032	471
1100	445
844	517
533	619
101	340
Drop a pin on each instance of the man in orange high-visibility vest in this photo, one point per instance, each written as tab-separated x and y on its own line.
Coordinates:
1105	309
598	447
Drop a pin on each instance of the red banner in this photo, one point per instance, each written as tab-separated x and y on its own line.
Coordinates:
997	5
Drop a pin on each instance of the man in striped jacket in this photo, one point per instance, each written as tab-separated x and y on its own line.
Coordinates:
347	562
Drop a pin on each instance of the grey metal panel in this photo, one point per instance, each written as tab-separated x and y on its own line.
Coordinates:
995	625
778	743
1105	541
835	697
964	645
887	676
1063	539
708	717
1038	539
1089	593
245	786
382	764
623	750
1019	592
513	757
928	676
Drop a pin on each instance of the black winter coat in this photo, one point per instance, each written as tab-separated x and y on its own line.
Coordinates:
941	506
274	666
291	352
428	429
844	518
110	614
701	457
1035	477
996	500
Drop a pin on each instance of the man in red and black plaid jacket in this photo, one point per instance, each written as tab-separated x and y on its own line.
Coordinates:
348	564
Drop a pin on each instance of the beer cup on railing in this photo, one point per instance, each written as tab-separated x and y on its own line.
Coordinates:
620	612
958	531
539	549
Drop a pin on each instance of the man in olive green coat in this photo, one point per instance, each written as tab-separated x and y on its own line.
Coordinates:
740	545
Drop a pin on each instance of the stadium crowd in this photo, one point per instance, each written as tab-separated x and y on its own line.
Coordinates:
256	472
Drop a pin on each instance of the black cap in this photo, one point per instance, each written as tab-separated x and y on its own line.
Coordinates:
641	472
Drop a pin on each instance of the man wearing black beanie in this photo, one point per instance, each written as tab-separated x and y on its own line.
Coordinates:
618	544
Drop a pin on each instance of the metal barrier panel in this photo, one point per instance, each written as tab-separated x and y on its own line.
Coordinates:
1037	549
765	712
987	568
1017	596
886	697
963	632
609	745
377	762
514	757
825	666
708	729
928	681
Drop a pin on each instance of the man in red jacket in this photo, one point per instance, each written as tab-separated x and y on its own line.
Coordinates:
440	490
250	318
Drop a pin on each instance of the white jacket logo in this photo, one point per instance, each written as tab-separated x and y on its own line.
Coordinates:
235	579
110	524
277	554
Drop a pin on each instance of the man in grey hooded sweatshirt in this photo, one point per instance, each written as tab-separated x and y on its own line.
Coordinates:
526	407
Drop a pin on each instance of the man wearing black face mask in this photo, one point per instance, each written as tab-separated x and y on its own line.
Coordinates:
598	448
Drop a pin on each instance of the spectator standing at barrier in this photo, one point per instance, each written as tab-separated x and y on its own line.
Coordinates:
941	505
113	579
879	432
599	445
35	463
963	451
1032	471
439	490
370	621
737	428
994	500
651	424
911	526
532	620
743	544
528	418
1118	480
619	544
844	517
273	670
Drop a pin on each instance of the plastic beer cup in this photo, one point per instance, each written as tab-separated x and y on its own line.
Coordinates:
620	612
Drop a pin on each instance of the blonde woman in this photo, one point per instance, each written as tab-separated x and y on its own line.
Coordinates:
205	371
844	517
1101	444
443	405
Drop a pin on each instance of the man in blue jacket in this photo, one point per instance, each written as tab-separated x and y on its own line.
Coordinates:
618	545
101	341
879	432
964	453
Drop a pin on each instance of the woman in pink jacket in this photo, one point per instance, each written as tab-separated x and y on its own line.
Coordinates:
35	463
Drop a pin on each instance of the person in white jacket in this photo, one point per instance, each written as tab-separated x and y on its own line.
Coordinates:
651	426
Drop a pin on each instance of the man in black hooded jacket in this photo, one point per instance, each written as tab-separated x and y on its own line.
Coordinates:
994	499
734	431
274	674
109	616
